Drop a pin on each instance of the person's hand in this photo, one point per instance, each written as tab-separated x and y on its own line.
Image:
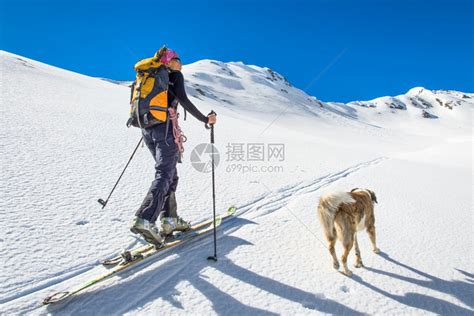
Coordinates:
211	119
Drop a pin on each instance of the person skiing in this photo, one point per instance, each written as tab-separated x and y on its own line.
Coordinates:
164	140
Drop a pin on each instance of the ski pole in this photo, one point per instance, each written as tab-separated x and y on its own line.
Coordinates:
213	258
104	203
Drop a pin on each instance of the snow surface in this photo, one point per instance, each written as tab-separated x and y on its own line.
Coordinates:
64	143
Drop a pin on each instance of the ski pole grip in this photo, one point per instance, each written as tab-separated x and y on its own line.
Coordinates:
210	113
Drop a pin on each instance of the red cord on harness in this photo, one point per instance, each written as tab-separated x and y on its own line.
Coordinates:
179	138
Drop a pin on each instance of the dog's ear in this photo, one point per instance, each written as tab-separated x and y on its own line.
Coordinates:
354	189
372	196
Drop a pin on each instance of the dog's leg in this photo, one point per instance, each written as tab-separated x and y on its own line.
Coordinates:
359	263
371	232
347	244
332	251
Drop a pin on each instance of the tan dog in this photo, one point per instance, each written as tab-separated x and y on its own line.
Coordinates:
341	215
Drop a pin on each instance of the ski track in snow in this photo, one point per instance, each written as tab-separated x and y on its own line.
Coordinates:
49	282
275	200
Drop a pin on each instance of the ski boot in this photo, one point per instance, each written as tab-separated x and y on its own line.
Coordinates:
147	230
171	224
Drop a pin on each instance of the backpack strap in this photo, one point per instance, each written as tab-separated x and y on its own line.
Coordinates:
132	88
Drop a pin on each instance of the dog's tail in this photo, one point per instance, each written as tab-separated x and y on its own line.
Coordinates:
327	208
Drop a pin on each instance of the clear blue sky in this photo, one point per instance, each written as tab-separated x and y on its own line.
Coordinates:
334	50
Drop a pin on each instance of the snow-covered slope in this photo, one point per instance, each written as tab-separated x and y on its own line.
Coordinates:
119	82
64	143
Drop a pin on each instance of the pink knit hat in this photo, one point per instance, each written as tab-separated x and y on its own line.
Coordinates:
168	55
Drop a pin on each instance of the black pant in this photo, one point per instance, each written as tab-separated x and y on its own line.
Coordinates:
165	153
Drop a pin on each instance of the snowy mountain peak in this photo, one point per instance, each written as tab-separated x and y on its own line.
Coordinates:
416	91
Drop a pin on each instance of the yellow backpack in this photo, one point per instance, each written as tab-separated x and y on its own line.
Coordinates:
149	95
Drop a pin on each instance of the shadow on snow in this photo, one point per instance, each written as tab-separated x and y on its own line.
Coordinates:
136	292
462	291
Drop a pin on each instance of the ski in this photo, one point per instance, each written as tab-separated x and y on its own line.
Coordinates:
129	255
141	254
